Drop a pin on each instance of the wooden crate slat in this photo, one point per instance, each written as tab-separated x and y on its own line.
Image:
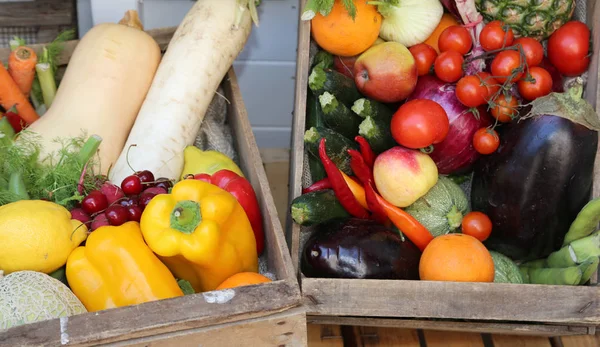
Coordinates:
580	341
37	13
429	299
450	325
324	335
386	337
520	341
452	339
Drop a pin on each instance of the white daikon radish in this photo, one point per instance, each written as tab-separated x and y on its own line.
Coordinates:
202	50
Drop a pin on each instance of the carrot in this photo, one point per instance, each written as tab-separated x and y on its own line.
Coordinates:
415	231
21	66
11	95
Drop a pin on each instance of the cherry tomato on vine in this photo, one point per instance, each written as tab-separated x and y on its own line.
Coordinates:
568	48
533	49
505	108
507	64
419	123
542	84
448	66
486	141
477	224
494	36
424	56
471	92
455	38
490	83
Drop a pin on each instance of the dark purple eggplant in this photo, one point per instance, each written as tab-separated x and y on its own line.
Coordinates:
535	184
358	248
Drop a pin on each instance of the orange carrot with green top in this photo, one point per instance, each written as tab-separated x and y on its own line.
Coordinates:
21	66
11	95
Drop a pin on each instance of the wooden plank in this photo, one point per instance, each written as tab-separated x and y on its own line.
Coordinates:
429	299
297	144
449	325
278	253
452	339
580	341
283	329
384	337
324	335
277	174
520	341
37	13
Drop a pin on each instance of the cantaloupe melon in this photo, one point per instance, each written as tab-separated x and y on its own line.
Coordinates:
30	296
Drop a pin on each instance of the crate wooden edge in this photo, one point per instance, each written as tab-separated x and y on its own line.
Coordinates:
192	311
442	325
314	289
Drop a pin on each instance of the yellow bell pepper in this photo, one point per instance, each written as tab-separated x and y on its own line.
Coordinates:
201	233
197	161
116	268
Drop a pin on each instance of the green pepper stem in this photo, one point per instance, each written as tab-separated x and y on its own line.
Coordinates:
186	216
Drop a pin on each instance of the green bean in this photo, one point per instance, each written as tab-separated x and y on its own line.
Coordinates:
585	223
576	252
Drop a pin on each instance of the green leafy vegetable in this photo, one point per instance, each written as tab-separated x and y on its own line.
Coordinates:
324	8
57	177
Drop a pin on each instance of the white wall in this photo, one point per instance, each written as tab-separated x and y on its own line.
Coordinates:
266	67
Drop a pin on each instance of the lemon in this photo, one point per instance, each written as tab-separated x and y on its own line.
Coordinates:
37	235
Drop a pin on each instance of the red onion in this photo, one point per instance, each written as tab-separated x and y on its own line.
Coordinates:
456	153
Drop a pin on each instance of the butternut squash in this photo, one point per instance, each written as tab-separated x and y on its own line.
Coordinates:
103	88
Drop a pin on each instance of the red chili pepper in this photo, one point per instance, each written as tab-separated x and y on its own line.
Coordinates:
242	190
377	211
359	167
340	187
319	185
15	120
366	150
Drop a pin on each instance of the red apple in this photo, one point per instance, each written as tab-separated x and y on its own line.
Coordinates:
386	72
345	65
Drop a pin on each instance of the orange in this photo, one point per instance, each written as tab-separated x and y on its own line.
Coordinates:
338	34
446	21
456	257
243	279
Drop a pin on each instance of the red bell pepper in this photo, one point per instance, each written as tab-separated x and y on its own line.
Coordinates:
242	190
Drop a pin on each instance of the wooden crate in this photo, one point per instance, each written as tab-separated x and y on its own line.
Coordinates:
478	307
265	314
37	21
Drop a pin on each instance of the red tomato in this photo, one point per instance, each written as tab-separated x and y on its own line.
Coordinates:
448	66
477	224
420	123
424	56
505	108
505	65
568	48
494	36
471	92
455	38
534	52
486	141
490	82
542	84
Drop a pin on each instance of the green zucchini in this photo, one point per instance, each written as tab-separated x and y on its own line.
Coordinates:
327	80
337	146
377	133
370	108
324	59
314	118
316	208
338	117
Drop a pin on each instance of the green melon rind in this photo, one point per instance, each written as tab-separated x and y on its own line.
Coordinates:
30	296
